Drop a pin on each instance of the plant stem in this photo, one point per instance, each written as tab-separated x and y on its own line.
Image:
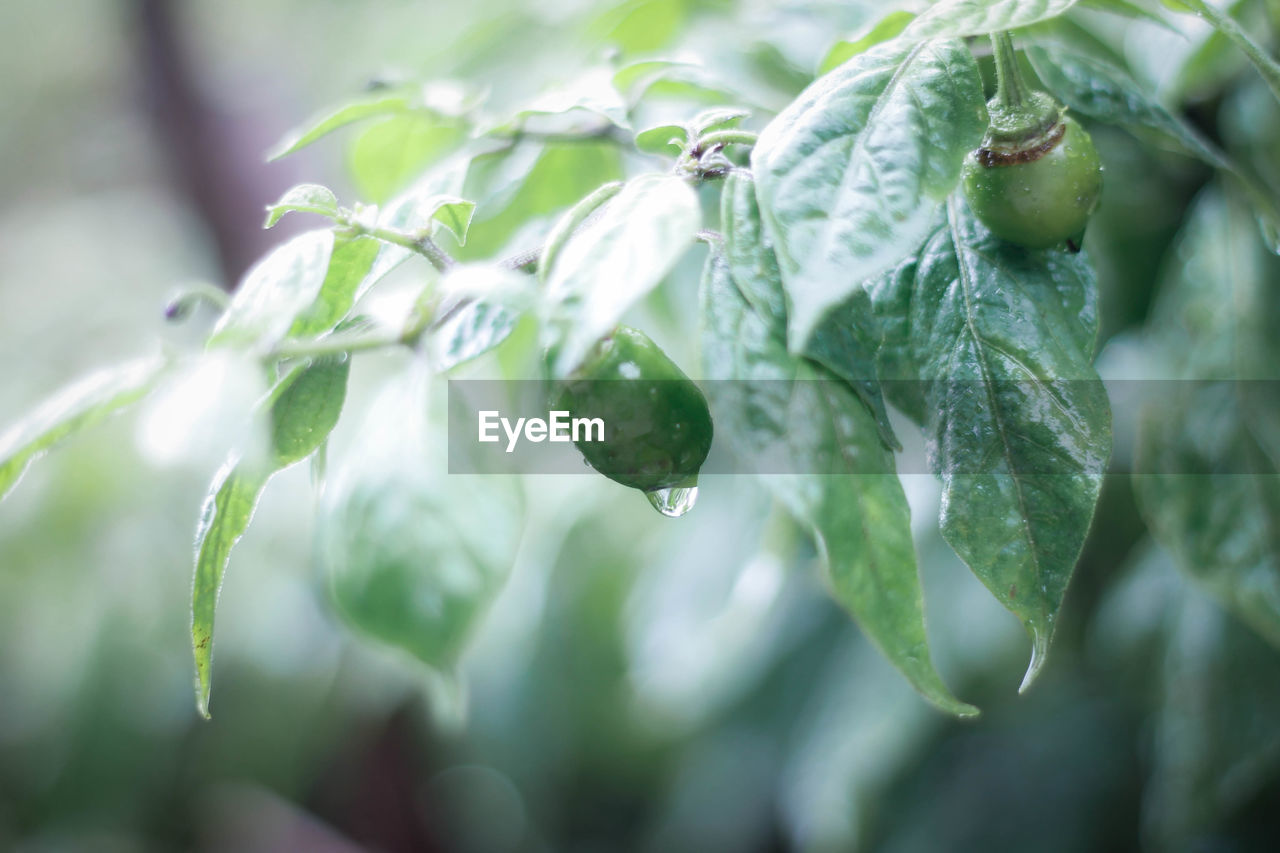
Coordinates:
419	242
336	344
1012	92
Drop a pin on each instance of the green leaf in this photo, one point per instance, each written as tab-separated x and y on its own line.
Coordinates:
605	268
592	92
668	139
418	211
1019	428
962	18
1104	92
791	411
306	409
73	409
388	155
1211	495
374	104
680	80
476	307
844	343
886	28
470	332
525	184
304	198
413	559
1210	477
749	253
1128	10
716	118
275	291
350	264
227	511
850	174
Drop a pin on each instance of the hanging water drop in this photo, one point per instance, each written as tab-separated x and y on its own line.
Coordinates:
675	501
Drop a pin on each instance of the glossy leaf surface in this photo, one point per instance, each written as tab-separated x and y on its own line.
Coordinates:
850	174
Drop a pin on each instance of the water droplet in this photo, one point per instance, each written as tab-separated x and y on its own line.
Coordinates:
674	502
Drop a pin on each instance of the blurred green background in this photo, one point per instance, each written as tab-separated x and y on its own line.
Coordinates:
641	684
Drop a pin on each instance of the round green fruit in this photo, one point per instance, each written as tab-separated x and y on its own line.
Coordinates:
1038	192
657	427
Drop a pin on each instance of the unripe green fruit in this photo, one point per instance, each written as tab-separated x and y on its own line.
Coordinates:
1040	193
657	429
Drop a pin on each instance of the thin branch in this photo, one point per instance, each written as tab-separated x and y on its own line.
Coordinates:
418	241
336	344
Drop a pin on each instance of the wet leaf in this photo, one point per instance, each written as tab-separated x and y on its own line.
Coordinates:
1000	343
799	417
850	174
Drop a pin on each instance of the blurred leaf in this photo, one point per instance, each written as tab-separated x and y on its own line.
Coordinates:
413	559
387	156
304	408
1020	432
1212	496
592	92
539	183
304	198
307	408
275	291
1127	10
961	18
418	211
470	332
631	80
1216	746
792	412
1222	21
74	409
227	511
349	266
682	80
886	28
1208	67
606	267
373	104
1209	486
850	174
640	26
480	307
